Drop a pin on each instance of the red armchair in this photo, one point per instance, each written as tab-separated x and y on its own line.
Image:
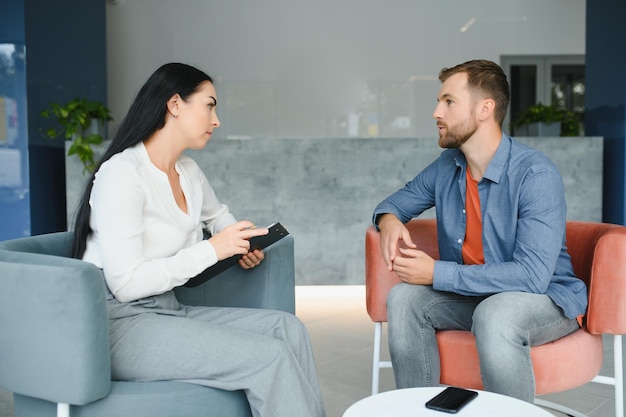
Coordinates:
598	252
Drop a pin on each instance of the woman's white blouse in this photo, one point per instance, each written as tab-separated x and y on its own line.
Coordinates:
145	244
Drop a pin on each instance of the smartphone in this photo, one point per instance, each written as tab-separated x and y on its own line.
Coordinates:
451	399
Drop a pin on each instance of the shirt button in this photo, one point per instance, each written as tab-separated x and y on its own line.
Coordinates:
464	211
459	241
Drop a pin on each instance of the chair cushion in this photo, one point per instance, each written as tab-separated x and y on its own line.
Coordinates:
557	365
153	399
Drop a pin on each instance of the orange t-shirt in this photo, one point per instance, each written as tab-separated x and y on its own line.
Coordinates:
473	245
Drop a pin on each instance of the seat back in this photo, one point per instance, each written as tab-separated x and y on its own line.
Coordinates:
55	244
598	252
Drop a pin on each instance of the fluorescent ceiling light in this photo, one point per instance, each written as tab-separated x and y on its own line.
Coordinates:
468	24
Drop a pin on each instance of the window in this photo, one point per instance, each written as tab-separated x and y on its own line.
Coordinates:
549	79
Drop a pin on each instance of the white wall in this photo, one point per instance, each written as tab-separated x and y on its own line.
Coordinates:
293	68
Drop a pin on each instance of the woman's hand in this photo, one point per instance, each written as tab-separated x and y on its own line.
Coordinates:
234	240
251	259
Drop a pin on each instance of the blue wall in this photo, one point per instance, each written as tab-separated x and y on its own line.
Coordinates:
605	79
65	58
66	44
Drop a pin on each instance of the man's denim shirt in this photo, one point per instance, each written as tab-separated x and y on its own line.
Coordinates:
522	201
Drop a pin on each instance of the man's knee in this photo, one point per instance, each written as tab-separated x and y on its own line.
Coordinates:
496	316
397	295
402	293
403	296
407	302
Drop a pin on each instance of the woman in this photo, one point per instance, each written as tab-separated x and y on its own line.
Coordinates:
141	219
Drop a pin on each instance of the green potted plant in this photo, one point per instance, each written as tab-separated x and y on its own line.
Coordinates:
571	123
542	120
82	122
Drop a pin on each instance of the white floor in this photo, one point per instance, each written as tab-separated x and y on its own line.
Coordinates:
342	337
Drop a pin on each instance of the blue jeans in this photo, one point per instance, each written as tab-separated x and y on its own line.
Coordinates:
505	325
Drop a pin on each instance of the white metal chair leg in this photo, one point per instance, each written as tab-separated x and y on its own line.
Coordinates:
377	363
619	375
376	357
558	407
63	410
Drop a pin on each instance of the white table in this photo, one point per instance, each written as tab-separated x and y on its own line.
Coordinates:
410	402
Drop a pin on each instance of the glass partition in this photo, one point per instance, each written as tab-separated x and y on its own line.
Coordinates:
14	197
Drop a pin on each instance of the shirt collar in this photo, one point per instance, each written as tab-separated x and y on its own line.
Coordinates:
498	162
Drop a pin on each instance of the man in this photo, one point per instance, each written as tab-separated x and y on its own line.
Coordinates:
504	272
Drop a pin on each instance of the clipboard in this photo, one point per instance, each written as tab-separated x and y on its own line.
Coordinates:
276	232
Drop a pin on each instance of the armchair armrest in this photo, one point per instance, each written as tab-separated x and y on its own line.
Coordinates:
607	306
270	285
378	279
54	320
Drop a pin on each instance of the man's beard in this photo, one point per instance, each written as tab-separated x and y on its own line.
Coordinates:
458	134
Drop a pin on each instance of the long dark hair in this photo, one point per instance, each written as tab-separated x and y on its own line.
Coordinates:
145	116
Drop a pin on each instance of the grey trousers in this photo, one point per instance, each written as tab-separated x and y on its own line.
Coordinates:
505	325
265	353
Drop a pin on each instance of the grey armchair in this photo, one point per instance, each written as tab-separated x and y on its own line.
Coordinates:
54	333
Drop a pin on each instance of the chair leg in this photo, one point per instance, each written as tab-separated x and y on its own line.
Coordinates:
63	410
376	359
619	375
617	380
558	407
377	363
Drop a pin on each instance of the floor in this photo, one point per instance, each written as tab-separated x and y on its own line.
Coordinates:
342	338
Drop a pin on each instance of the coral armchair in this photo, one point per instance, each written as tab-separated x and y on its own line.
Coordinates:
598	252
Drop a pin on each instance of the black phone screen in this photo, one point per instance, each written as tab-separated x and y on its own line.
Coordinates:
451	399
